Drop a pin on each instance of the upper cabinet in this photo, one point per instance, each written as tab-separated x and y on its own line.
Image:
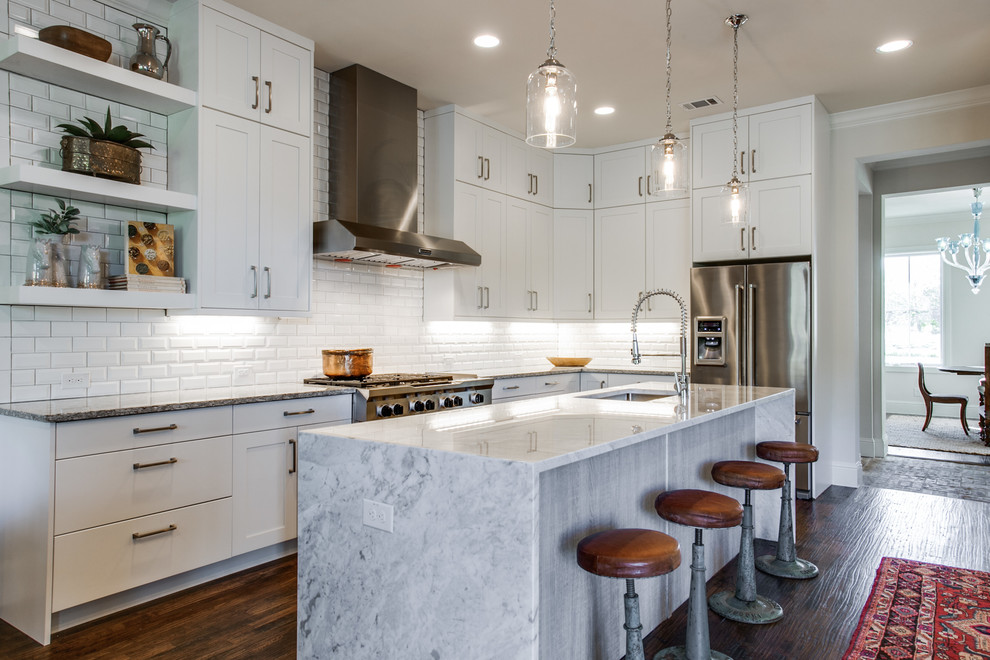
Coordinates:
529	172
479	153
573	181
250	73
620	177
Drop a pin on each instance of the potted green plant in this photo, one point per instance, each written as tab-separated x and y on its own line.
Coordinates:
46	264
57	222
106	151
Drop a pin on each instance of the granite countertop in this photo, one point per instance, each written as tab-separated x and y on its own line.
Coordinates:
558	430
95	407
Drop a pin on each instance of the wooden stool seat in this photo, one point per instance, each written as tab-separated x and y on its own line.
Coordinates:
699	508
748	474
629	553
786	452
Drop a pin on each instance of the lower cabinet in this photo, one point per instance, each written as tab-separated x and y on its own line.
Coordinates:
597	381
528	387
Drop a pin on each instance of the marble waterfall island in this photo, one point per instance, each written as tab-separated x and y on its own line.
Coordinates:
489	504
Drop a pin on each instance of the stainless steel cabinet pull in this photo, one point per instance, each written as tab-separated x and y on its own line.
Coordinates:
529	305
648	177
742	163
530	191
640	186
752	238
170	427
488	297
742	239
554	383
286	413
511	387
536	303
601	385
536	190
752	161
257	92
488	169
649	305
268	271
481	297
141	466
254	273
295	457
481	167
589	303
268	83
589	193
141	535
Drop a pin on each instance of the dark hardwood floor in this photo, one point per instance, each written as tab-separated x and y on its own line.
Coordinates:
845	532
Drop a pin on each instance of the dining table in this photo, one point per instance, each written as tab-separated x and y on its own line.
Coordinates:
964	370
974	371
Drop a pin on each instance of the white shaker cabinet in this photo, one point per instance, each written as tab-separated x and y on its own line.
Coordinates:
479	220
529	172
620	260
573	264
255	234
253	74
668	256
528	260
573	181
479	153
621	177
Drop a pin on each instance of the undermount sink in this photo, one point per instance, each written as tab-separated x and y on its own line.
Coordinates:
631	395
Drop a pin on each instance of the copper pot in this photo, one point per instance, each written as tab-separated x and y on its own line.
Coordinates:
356	362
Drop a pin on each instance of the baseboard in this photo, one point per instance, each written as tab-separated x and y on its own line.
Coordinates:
847	474
121	601
872	448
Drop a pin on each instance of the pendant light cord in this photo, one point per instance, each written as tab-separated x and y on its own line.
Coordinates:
668	131
552	50
735	95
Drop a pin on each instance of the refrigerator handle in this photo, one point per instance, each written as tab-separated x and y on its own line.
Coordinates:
750	332
738	317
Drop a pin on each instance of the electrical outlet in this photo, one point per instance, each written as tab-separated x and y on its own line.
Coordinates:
378	515
243	376
75	381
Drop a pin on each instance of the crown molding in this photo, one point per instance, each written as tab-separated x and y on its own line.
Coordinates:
963	98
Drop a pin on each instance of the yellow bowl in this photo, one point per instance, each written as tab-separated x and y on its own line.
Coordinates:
568	362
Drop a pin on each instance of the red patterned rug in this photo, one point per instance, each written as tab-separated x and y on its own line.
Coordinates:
920	611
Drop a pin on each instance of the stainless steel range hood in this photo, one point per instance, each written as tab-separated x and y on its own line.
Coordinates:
373	178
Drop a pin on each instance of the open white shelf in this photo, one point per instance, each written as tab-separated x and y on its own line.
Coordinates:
48	181
36	59
67	297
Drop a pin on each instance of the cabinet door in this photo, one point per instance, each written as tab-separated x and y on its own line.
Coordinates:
286	241
495	150
491	239
620	177
573	179
229	216
668	256
286	85
539	251
620	260
780	217
264	489
231	54
711	153
540	165
711	239
479	221
518	293
573	264
779	143
479	154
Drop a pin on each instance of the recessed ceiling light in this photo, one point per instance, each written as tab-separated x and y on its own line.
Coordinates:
892	46
604	110
486	41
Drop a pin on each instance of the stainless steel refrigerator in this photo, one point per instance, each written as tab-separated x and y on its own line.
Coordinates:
751	325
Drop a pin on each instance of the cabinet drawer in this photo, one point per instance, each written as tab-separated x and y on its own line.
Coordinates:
292	412
104	560
106	488
506	388
95	436
556	384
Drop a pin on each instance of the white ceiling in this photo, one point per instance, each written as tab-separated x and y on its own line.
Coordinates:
932	203
789	48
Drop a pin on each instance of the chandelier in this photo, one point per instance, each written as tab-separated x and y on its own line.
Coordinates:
975	250
551	100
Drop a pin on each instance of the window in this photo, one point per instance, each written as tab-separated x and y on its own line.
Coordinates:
912	309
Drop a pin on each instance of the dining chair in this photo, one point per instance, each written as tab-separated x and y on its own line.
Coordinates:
931	399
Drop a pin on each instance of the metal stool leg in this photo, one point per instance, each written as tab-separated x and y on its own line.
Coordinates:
634	629
746	606
697	645
786	563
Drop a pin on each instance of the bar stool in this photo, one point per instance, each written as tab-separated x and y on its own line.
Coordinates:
786	563
629	554
700	509
745	605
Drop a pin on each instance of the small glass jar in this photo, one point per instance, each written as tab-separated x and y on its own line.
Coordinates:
60	265
39	263
90	272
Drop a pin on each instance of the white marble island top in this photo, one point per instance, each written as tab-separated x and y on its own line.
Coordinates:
557	430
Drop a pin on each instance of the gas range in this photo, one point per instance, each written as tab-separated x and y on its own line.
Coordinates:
394	395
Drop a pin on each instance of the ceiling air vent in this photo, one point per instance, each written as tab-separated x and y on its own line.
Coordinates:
702	103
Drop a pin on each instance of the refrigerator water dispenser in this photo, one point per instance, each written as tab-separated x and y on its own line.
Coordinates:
709	333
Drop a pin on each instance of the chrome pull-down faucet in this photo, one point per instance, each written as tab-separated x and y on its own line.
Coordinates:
681	379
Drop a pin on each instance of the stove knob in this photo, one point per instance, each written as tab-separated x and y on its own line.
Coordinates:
446	402
384	411
418	406
430	404
458	401
477	397
397	409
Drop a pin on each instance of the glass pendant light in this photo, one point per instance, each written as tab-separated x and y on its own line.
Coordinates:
975	250
735	193
668	157
551	101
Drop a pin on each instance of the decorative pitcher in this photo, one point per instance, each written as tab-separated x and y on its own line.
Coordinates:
145	60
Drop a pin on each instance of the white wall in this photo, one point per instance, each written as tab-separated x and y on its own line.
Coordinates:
946	122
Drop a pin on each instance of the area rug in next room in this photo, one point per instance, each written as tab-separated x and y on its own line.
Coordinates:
920	611
943	434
